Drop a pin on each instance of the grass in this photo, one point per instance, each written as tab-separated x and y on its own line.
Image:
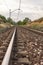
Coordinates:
36	25
4	25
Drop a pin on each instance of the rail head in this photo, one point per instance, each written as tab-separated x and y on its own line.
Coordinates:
32	30
8	52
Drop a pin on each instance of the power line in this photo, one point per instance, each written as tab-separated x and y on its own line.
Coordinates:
19	9
10	12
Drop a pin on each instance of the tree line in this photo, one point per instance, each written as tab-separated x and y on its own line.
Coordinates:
9	20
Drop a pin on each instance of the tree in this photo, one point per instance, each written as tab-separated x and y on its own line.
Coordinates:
9	20
19	23
3	18
26	20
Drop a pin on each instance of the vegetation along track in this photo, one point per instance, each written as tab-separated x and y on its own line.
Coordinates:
5	37
27	48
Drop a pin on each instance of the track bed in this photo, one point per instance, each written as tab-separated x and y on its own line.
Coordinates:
27	48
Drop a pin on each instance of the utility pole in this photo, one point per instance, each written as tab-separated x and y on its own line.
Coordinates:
9	13
19	4
19	9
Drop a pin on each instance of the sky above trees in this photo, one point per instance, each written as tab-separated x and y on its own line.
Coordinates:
31	8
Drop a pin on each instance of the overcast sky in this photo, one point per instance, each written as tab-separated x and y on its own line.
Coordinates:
31	8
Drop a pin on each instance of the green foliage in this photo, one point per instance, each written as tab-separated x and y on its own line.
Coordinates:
9	20
3	18
24	22
19	23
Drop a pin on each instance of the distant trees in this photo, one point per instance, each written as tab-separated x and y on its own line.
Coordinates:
3	18
9	20
24	22
19	23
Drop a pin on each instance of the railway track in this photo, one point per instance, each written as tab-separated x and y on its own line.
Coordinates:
5	37
26	48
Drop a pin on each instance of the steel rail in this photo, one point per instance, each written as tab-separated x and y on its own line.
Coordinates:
32	30
8	52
